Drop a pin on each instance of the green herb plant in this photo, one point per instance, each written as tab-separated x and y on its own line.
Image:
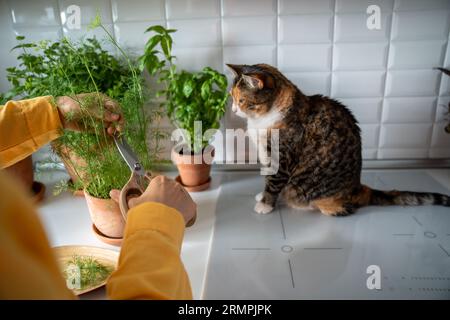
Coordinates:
447	113
67	68
189	96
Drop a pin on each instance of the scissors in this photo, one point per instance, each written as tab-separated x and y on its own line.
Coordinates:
139	177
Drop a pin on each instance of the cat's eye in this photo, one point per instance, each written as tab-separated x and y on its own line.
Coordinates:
253	107
241	100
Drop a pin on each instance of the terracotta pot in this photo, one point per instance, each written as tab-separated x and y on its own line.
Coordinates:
22	171
194	169
106	216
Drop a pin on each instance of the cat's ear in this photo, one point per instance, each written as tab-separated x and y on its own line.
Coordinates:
236	68
258	81
253	81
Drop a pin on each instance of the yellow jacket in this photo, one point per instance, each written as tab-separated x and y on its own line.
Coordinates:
149	264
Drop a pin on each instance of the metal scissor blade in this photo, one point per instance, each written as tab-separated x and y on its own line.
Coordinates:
128	155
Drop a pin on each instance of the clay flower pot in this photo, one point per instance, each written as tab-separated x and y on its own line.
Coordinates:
22	171
106	216
194	169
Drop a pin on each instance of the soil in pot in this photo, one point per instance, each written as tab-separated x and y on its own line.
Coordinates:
194	169
106	216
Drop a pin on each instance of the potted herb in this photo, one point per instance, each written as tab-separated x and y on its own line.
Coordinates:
64	68
195	103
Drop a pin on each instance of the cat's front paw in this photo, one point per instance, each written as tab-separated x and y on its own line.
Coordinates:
259	196
263	208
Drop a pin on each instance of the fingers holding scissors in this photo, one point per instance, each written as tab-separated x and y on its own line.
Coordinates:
168	192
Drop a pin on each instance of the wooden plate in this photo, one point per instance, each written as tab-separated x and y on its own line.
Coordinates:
104	256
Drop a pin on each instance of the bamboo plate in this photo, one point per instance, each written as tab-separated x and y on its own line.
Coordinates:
106	257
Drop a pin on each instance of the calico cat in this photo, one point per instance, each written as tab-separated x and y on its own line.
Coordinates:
319	149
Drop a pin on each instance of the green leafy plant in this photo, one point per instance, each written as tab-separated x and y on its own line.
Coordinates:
190	96
66	68
91	271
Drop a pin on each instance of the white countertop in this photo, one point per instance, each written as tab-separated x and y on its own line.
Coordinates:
67	222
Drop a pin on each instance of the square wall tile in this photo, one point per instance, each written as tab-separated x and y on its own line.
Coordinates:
249	55
369	135
137	10
402	153
249	7
37	34
353	84
306	6
305	28
409	110
439	153
88	10
369	154
360	56
440	138
195	59
304	57
196	32
5	17
36	13
405	136
131	35
365	110
406	5
353	27
443	109
184	9
420	25
311	82
358	6
412	83
249	31
417	54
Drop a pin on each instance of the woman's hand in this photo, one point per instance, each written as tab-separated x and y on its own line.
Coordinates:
166	191
77	112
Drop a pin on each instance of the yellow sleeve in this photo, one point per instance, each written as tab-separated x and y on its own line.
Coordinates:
28	267
149	265
25	126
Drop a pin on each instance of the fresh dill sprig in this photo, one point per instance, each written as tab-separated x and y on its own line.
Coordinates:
92	272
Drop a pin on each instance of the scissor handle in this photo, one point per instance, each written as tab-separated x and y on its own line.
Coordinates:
131	189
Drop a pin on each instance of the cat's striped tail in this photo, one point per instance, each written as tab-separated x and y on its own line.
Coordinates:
407	198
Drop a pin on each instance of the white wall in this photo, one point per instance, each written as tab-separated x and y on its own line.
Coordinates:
385	76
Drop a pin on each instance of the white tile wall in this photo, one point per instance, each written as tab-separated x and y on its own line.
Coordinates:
305	28
182	9
304	57
385	77
258	30
140	10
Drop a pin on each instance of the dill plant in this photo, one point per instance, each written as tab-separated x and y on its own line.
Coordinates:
65	68
92	272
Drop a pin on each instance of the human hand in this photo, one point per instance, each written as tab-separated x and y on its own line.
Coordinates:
166	191
78	111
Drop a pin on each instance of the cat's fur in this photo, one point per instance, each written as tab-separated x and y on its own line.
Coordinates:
320	147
